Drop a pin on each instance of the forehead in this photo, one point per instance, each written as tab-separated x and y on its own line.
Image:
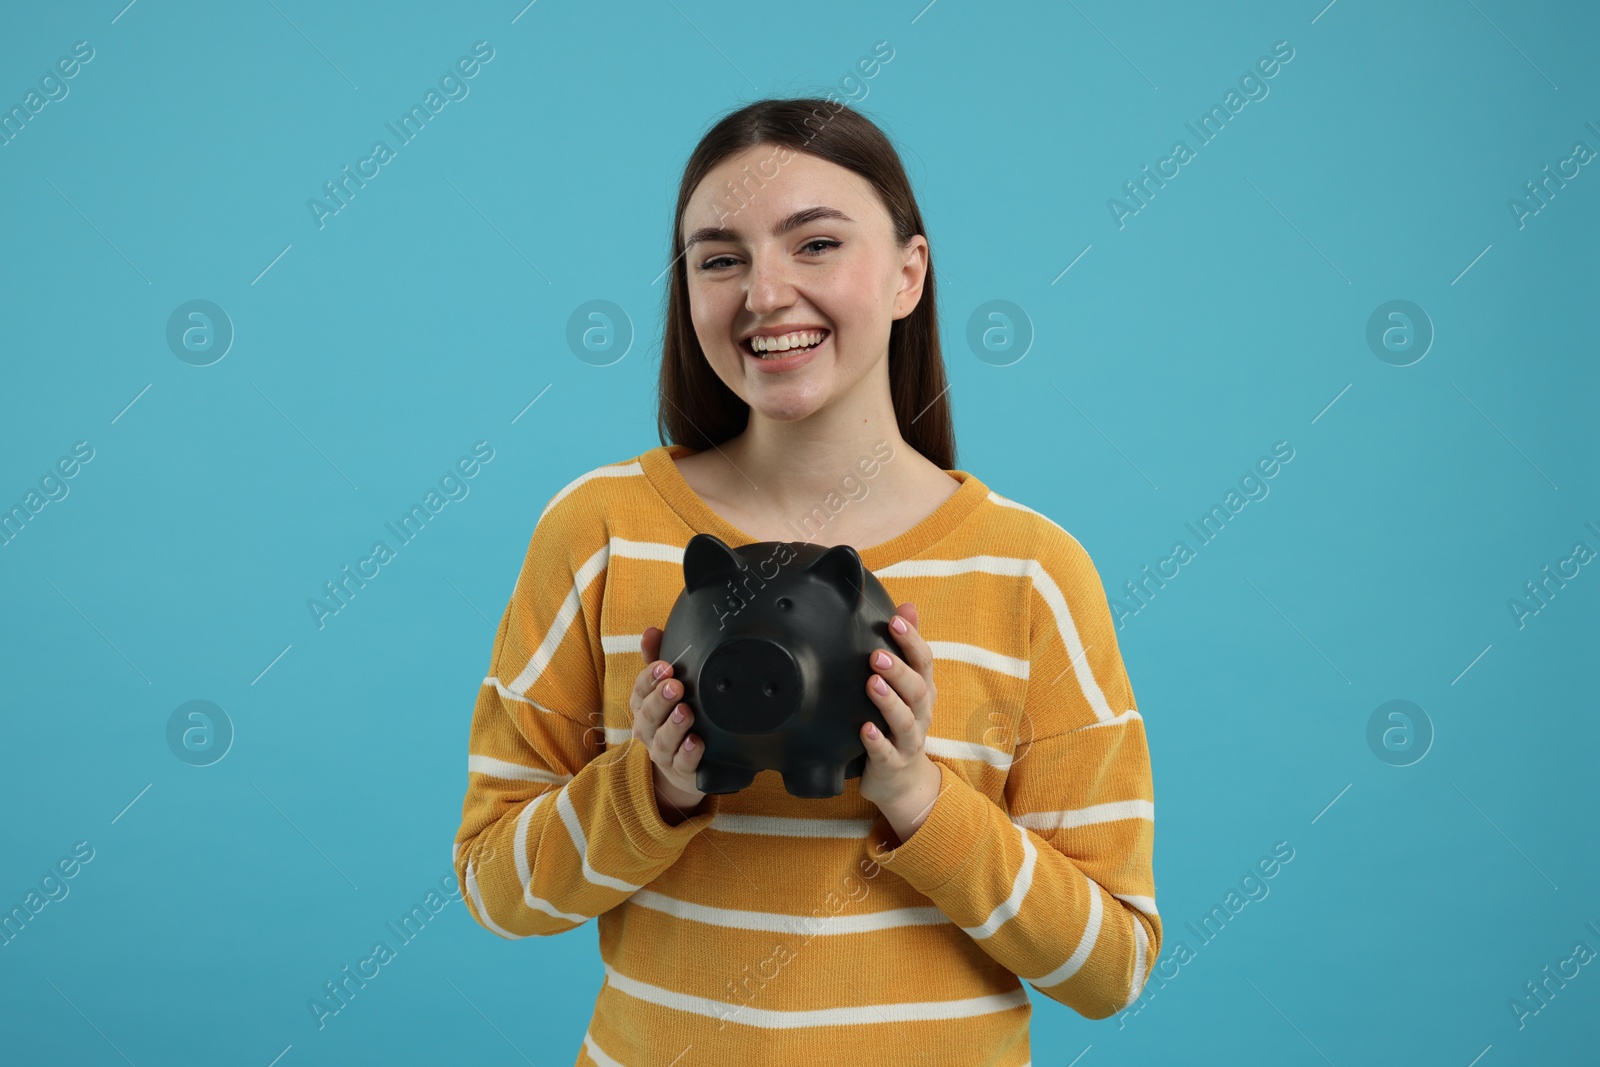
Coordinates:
754	188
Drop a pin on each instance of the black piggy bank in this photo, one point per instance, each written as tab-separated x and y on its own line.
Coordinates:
771	643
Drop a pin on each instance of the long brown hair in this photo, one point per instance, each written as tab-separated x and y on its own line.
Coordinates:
694	407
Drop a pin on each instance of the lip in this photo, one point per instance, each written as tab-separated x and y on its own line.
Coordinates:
787	363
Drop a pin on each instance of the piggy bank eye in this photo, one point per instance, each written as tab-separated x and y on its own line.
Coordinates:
784	603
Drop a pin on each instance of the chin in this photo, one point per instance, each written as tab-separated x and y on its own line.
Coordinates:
784	413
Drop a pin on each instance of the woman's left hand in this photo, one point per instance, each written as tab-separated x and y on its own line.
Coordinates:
899	777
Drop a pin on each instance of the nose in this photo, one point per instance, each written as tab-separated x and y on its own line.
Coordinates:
770	285
750	685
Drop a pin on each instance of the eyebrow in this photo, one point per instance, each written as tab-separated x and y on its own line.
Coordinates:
799	218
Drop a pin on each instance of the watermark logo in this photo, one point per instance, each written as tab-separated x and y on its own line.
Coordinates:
1004	726
1399	333
999	332
199	733
199	332
599	332
1399	733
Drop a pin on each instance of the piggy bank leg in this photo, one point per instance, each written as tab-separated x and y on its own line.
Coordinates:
814	780
722	777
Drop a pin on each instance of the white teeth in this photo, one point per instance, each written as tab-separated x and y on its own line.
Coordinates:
799	339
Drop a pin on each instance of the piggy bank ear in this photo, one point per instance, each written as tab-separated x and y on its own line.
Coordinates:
840	566
707	561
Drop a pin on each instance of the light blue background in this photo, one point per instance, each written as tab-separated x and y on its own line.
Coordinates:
1225	316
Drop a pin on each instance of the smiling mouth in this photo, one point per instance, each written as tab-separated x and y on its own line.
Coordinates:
746	346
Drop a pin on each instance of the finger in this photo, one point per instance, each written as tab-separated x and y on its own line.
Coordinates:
653	709
900	719
687	757
901	676
646	680
650	643
669	735
916	650
661	701
675	723
879	748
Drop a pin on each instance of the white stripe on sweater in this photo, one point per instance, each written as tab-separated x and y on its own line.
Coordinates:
979	657
1080	955
596	1053
1144	904
519	851
563	621
968	750
780	923
483	912
1141	942
1043	583
1009	503
615	470
569	816
777	826
1008	908
769	1019
1111	811
516	772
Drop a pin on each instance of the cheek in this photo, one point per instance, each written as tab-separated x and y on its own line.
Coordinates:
709	318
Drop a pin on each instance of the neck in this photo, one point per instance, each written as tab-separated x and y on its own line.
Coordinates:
788	468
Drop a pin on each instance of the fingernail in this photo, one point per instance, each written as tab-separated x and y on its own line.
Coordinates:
688	744
660	671
897	624
677	714
872	731
880	686
881	659
670	691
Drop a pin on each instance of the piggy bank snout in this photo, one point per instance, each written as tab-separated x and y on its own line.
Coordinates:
750	685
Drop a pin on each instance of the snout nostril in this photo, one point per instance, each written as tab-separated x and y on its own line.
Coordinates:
723	685
784	603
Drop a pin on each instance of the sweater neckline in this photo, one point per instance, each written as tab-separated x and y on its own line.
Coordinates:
661	469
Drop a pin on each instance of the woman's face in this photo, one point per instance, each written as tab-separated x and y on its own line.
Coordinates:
804	245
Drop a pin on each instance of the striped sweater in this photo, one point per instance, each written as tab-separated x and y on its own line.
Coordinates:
767	928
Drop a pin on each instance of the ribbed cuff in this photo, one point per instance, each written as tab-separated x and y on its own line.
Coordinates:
954	831
634	786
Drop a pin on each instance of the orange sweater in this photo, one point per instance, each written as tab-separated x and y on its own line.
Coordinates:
774	929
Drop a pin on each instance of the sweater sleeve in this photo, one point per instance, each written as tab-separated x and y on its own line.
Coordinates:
557	826
1060	886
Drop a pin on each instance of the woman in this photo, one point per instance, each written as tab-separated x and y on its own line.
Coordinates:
1002	833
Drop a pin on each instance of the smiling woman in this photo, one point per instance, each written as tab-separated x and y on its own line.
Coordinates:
1005	815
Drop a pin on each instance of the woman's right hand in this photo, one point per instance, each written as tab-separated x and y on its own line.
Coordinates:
674	752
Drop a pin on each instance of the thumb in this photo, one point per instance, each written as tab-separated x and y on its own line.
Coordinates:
650	644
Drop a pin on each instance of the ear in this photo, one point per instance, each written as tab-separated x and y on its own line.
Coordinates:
840	567
708	561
